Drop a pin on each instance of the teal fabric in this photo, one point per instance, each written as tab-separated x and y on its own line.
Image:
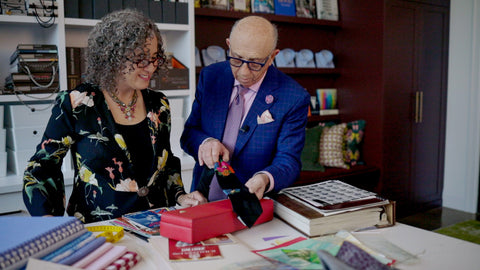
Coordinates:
311	150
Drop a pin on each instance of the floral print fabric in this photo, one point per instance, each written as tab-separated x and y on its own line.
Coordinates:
105	185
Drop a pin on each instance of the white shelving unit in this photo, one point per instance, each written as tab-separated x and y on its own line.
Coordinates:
72	32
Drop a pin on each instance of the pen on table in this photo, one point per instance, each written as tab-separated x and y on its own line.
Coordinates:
134	233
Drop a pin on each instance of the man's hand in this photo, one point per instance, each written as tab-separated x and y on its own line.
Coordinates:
210	151
191	199
257	184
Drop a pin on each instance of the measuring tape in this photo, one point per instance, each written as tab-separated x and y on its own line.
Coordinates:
111	233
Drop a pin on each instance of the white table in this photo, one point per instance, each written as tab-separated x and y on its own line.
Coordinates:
435	251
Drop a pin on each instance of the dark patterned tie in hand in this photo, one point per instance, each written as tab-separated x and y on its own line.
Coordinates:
245	204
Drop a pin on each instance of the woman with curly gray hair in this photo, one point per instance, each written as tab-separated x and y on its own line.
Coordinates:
117	130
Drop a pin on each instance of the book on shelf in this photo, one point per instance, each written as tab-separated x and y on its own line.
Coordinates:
35	47
240	5
25	237
217	4
76	66
26	56
22	77
306	8
327	207
181	251
31	87
328	112
34	52
263	6
285	7
34	66
327	10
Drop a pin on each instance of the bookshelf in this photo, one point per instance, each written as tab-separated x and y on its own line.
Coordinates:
73	32
316	35
384	51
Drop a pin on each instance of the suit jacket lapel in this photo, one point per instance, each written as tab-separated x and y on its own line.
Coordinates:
259	105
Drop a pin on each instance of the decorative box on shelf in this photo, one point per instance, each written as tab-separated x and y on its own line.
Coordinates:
176	76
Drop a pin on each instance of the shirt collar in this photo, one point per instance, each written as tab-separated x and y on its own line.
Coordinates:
255	86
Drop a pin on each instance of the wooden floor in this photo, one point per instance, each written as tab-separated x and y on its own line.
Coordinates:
438	218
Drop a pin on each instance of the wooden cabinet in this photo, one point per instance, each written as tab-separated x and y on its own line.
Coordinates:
415	75
391	65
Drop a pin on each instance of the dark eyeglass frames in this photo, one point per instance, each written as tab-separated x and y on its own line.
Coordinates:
157	61
252	65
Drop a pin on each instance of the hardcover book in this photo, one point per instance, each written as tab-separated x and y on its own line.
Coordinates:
25	237
181	251
31	87
311	222
22	77
240	5
306	8
34	66
36	47
329	206
263	6
285	7
217	4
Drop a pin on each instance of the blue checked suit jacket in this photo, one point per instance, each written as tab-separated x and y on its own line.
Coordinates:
274	147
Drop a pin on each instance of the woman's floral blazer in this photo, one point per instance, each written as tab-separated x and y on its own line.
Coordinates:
104	183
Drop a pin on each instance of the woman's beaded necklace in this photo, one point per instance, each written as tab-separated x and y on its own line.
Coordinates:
129	109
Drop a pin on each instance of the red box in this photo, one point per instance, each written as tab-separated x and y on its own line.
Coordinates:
201	222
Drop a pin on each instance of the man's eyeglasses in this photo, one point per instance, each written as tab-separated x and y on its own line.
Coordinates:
252	65
157	61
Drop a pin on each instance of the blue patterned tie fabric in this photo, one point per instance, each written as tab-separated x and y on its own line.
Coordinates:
232	125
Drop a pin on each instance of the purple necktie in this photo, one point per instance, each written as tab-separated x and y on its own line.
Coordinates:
234	119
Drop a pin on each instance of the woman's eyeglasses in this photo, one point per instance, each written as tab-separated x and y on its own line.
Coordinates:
157	61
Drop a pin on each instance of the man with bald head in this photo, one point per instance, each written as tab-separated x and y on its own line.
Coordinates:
264	143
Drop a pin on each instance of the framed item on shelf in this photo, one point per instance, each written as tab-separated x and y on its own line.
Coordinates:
327	10
240	5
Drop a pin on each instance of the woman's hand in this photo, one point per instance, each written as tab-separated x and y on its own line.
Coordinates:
191	199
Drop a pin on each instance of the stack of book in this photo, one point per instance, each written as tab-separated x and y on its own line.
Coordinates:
34	68
330	206
76	66
44	241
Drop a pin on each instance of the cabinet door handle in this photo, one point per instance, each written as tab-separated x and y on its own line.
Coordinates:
420	113
417	95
